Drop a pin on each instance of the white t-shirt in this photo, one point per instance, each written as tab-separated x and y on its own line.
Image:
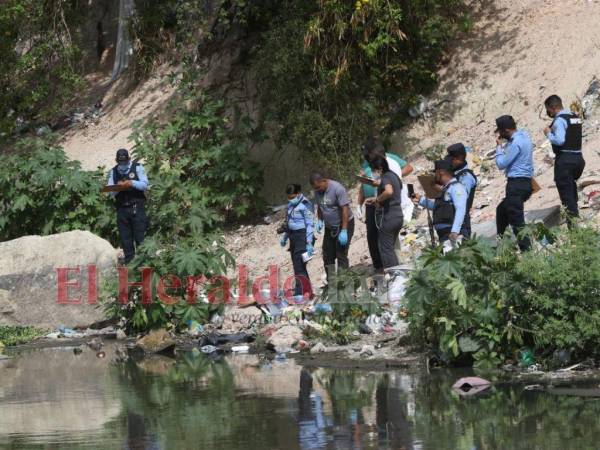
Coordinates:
407	204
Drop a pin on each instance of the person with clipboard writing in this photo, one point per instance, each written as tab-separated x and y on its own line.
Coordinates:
129	181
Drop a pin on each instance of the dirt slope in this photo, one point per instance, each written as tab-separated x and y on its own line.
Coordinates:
518	54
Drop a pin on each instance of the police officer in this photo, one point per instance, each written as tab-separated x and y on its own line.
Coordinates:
131	214
457	155
299	231
514	155
450	208
565	135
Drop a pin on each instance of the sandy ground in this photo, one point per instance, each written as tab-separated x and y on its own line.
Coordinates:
94	144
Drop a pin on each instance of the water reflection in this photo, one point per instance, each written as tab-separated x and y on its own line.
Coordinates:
247	402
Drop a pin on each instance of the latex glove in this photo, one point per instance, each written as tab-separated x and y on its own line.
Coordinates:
283	241
320	225
310	249
343	238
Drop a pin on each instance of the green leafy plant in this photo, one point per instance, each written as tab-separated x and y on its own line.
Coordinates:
481	305
201	176
15	335
44	193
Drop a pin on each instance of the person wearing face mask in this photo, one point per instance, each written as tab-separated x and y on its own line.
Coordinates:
565	135
130	203
450	208
388	215
334	214
299	231
514	155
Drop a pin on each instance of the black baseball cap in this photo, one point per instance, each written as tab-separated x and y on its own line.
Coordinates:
457	150
505	123
122	155
443	164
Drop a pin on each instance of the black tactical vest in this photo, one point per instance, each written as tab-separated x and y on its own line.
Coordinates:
444	210
125	198
460	173
573	135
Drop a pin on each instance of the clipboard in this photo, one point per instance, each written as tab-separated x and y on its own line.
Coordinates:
365	180
428	184
114	188
535	186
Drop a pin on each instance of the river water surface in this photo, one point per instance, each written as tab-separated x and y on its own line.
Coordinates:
57	399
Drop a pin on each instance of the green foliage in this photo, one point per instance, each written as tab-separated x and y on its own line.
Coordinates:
331	72
16	335
351	303
482	305
39	62
45	193
201	175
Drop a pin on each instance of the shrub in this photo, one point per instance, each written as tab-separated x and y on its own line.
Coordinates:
201	176
39	62
482	304
45	193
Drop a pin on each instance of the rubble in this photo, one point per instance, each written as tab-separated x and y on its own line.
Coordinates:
156	341
284	338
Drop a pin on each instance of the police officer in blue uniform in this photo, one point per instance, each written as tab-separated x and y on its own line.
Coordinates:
298	229
450	208
565	135
457	155
130	203
514	155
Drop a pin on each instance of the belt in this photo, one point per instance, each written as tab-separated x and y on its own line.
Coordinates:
574	152
519	178
128	204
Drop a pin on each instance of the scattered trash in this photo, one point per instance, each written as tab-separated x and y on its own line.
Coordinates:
322	308
207	349
121	335
367	350
77	351
319	347
526	358
280	357
240	348
534	387
194	328
95	344
471	386
100	355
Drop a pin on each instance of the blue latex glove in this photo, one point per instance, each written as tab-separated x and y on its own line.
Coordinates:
320	225
283	241
310	249
343	238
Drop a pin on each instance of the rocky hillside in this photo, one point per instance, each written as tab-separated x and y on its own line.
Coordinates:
515	56
518	54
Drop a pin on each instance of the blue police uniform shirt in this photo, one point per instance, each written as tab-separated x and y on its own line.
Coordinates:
141	184
516	157
457	194
558	133
467	180
301	216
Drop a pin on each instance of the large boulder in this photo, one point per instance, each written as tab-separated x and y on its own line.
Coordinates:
548	216
29	280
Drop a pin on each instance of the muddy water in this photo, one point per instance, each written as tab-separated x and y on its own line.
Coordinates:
56	399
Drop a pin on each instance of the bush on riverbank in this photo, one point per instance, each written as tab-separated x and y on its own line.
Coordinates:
483	305
15	335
